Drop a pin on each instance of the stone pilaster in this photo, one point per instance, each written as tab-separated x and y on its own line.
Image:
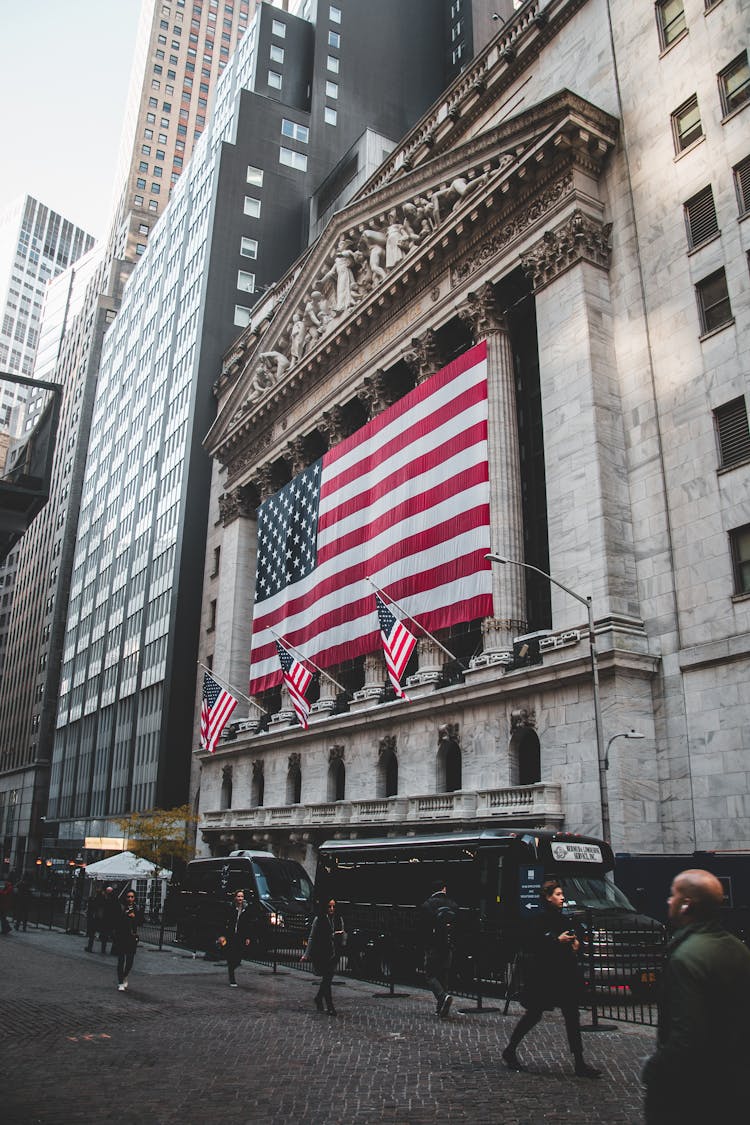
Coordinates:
481	311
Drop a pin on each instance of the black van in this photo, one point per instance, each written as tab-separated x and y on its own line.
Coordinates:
278	891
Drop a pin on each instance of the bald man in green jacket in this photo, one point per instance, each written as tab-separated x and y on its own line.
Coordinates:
699	1070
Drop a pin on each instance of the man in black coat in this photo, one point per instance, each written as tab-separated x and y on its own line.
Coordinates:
698	1072
439	915
235	941
553	979
126	937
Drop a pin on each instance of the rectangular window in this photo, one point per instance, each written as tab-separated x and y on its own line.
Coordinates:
295	131
334	39
245	281
734	84
332	89
274	79
249	247
700	218
332	64
686	125
279	29
733	432
670	16
713	301
334	14
242	316
739	540
741	175
252	207
277	53
331	116
293	159
255	176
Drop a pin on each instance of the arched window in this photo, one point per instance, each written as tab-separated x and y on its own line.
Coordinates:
525	757
449	766
258	786
294	781
336	780
226	788
391	776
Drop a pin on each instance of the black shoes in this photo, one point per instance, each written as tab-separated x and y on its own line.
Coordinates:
331	1011
511	1060
583	1070
444	1006
319	1003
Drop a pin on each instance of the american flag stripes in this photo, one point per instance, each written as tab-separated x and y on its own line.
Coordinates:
297	679
404	500
398	645
216	707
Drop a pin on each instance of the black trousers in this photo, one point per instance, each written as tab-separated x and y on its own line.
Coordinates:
124	965
326	977
532	1016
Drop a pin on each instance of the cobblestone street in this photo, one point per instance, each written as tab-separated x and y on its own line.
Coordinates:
181	1046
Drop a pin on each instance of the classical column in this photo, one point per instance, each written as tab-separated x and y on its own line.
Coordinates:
374	392
430	671
488	323
296	455
373	688
424	356
230	584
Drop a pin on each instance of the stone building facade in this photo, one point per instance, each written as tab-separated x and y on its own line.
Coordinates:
597	241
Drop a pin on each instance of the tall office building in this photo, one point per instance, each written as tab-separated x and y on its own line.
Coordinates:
298	97
565	315
181	48
36	244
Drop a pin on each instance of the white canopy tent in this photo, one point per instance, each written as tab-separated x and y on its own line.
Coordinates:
125	865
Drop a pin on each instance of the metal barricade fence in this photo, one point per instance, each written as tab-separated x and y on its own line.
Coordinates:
622	962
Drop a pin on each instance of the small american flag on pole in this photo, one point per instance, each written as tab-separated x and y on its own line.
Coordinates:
398	645
216	707
297	679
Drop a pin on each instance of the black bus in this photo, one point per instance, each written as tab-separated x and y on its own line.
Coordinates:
494	876
278	892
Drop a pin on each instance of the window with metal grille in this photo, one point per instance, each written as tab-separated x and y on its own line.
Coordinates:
733	432
700	218
742	184
670	17
713	301
686	124
739	539
734	84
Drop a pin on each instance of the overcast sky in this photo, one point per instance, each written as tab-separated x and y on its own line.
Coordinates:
64	74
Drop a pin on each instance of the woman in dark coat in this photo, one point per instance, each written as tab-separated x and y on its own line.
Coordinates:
126	938
553	979
235	941
324	944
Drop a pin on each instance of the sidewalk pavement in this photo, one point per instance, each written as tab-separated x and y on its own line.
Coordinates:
180	1046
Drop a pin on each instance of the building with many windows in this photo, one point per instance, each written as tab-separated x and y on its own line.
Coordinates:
296	97
583	251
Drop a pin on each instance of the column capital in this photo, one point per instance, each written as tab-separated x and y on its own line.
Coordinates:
296	454
234	504
482	311
423	356
579	239
374	392
264	482
333	425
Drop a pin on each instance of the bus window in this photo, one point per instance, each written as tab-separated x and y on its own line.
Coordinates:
278	879
594	892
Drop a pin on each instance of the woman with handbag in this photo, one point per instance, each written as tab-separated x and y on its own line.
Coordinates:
325	943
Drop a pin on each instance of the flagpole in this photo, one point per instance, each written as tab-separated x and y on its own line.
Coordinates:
401	609
289	645
228	687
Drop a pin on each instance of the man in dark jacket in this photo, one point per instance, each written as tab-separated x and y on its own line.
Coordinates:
235	941
698	1071
126	938
552	979
439	916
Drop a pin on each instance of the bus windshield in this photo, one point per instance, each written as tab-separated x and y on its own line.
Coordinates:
281	879
594	892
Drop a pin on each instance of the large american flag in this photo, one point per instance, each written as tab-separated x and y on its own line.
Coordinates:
405	501
398	645
216	707
297	679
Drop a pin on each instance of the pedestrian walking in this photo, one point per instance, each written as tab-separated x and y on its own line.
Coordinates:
325	944
236	939
110	916
6	895
698	1072
94	918
439	915
21	903
552	978
126	938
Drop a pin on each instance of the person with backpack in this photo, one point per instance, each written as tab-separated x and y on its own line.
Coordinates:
324	946
439	916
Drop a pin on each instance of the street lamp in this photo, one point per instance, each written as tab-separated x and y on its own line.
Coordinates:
625	734
600	753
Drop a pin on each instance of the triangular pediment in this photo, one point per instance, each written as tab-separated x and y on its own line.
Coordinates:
385	238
